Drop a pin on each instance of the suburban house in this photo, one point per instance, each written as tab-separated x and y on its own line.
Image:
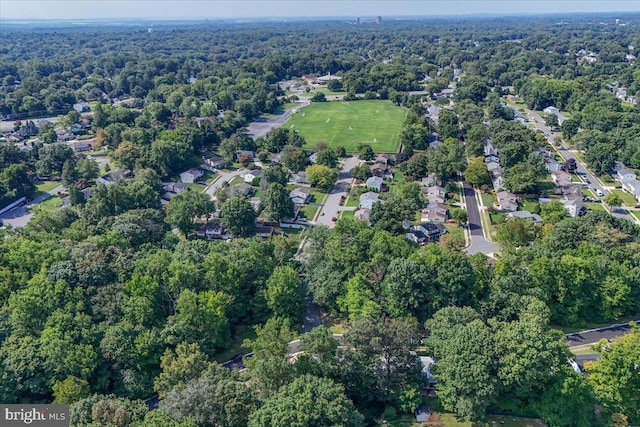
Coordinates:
248	154
623	174
437	207
498	182
435	212
111	177
552	165
368	199
241	190
561	178
64	135
507	202
264	231
429	180
551	110
489	149
425	232
251	175
213	162
572	204
80	146
300	196
491	158
494	168
81	107
275	159
525	215
574	207
42	122
436	193
87	193
379	169
374	183
211	230
256	203
632	186
382	159
427	367
191	175
299	178
362	215
173	188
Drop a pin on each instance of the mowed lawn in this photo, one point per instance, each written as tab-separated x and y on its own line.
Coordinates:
349	124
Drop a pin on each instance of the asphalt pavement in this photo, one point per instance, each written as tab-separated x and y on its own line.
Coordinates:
594	335
478	243
331	206
582	170
20	216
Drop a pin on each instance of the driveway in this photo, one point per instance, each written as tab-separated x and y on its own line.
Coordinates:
20	216
222	178
594	335
478	243
262	126
331	206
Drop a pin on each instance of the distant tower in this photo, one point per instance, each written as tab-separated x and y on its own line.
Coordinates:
378	20
358	21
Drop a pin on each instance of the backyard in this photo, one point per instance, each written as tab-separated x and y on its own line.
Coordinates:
349	124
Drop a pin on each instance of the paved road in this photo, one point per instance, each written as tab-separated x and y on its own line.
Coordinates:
593	181
478	243
262	126
224	177
594	335
331	206
20	216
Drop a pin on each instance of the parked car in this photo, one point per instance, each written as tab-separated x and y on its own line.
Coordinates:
599	192
334	218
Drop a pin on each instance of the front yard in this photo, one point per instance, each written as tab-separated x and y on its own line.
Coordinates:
627	199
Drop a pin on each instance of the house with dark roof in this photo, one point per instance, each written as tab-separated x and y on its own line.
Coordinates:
114	176
211	230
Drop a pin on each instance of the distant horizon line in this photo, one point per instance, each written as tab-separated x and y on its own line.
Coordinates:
320	18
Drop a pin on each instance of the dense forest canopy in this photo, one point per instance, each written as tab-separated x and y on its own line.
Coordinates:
108	301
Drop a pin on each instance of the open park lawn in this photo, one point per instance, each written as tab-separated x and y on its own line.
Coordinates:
349	124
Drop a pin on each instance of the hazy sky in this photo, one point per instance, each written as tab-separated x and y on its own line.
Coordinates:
74	9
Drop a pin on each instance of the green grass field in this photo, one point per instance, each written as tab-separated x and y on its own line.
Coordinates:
349	124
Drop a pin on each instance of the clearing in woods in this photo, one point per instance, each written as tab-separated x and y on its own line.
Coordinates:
377	123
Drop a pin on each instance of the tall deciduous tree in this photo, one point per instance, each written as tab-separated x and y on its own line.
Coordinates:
477	172
284	296
296	405
186	207
239	217
615	377
277	203
187	362
321	176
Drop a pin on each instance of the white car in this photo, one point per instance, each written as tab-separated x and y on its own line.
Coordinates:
599	192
